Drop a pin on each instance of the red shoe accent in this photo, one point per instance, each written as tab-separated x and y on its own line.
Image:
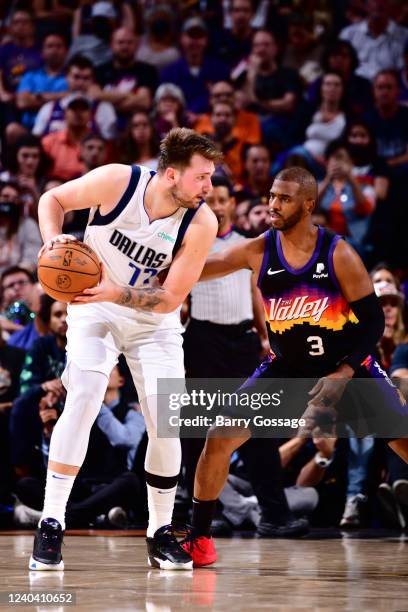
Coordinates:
201	549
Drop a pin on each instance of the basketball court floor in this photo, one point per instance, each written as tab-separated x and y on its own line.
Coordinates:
108	571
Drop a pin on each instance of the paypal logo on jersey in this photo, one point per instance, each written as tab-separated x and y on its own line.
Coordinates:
320	271
167	237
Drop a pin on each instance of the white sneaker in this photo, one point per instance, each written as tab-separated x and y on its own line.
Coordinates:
24	516
351	515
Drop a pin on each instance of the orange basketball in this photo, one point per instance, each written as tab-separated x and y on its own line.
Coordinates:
67	269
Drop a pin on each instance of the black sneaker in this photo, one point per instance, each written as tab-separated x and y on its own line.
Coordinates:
293	528
164	551
47	547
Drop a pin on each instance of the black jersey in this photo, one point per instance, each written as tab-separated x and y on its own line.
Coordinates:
308	319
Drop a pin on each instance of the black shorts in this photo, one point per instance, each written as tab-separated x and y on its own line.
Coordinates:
273	400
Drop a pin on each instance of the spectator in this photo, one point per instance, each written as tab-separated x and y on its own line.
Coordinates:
46	83
258	217
27	164
341	57
369	168
234	44
344	198
128	84
94	44
18	285
63	147
382	273
85	15
106	485
378	40
169	109
140	145
80	76
326	124
267	88
157	47
389	122
315	477
11	361
241	217
257	178
40	378
20	238
392	302
247	126
196	70
303	51
18	55
92	153
223	121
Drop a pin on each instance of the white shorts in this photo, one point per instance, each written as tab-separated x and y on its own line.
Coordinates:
98	333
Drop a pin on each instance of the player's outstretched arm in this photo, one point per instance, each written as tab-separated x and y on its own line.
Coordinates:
244	255
357	288
183	273
101	187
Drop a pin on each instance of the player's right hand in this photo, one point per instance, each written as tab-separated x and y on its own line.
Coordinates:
61	238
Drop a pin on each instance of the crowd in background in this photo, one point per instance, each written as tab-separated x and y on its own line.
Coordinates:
321	84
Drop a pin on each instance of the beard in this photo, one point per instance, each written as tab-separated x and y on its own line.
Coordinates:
181	200
291	221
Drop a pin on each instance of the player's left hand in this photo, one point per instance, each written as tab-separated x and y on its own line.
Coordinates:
105	291
328	390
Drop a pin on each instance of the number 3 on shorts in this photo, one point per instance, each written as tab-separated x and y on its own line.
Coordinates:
316	345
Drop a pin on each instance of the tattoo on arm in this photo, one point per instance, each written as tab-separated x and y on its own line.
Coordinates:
140	299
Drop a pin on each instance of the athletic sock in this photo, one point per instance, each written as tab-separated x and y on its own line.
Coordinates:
203	514
161	504
57	492
161	493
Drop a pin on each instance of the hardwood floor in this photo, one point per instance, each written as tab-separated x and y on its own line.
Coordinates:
109	572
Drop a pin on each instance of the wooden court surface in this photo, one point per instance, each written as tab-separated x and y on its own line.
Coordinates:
109	572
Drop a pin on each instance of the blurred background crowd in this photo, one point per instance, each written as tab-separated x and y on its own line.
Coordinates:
316	83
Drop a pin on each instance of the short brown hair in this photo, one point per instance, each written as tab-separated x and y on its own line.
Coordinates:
179	146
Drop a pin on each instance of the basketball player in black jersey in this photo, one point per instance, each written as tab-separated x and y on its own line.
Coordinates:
323	320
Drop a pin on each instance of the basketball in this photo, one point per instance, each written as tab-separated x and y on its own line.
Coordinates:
67	269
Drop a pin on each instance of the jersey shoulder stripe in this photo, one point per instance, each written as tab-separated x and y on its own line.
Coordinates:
187	218
99	219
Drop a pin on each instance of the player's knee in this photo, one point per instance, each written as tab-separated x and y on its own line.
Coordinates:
220	446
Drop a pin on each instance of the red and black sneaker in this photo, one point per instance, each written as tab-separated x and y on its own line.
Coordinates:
200	548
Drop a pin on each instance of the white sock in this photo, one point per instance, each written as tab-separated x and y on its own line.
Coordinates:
161	503
57	492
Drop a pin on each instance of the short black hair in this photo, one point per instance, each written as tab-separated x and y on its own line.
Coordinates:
302	177
334	146
92	136
222	181
16	270
80	61
334	49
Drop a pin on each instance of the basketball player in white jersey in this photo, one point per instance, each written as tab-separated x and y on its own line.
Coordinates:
141	223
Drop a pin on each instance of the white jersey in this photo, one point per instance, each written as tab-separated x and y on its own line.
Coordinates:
132	248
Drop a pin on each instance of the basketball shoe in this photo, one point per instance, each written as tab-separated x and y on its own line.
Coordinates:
165	552
47	547
200	548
